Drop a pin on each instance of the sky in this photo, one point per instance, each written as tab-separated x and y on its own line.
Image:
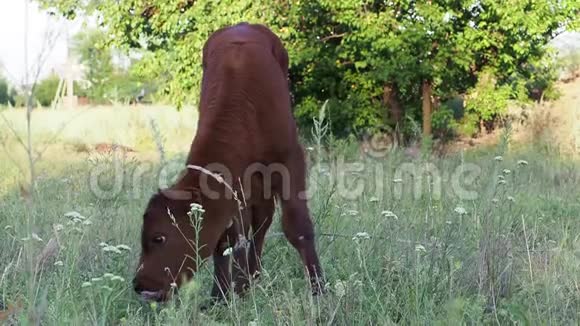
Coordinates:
12	44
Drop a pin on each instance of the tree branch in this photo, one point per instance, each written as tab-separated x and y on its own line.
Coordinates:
329	37
18	138
12	159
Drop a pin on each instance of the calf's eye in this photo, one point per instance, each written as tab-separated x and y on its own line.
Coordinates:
159	239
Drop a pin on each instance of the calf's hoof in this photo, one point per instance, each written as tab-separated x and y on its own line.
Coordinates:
318	286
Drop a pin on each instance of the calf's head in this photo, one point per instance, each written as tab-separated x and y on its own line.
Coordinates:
168	252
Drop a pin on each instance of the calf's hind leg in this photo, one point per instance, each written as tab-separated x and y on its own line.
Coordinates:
299	231
297	225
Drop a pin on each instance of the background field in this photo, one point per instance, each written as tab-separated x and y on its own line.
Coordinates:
511	255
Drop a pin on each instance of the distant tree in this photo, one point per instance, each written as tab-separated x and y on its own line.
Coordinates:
91	48
5	94
46	90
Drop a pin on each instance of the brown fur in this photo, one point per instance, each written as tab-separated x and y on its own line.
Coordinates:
245	124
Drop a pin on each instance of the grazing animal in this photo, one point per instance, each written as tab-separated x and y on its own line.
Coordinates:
247	134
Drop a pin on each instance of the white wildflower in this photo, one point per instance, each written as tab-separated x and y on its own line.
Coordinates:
498	158
397	180
420	248
25	239
460	210
87	222
74	215
58	227
58	263
228	251
108	275
103	244
36	237
340	289
86	284
173	285
448	222
506	171
195	207
361	235
373	199
522	162
96	279
123	247
501	182
253	323
112	249
310	148
495	200
389	214
352	212
512	199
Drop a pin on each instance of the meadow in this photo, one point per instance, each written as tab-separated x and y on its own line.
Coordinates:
481	237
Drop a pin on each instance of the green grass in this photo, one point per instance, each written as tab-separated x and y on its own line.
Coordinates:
511	255
125	125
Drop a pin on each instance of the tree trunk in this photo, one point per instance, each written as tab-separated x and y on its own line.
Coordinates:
427	90
391	100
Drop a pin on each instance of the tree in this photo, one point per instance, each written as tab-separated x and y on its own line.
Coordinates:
109	82
90	46
6	96
46	90
376	61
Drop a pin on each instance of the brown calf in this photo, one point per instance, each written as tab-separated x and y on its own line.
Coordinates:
246	133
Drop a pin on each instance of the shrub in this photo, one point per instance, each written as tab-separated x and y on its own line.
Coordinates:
571	64
468	126
486	101
354	115
444	124
46	90
6	94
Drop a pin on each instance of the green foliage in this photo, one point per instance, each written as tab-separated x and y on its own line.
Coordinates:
468	125
486	100
45	90
571	63
106	82
345	51
90	47
541	78
5	94
444	123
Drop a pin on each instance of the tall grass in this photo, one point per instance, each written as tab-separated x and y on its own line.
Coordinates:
392	254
